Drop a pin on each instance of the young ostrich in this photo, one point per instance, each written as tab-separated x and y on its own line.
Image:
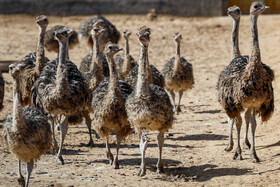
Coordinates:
28	136
33	63
154	76
124	61
94	75
52	45
178	74
111	34
108	105
61	90
86	64
2	91
248	85
148	107
235	13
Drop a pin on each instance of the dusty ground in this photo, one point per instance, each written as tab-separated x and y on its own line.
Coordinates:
194	155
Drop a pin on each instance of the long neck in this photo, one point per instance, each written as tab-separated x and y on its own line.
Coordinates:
40	53
113	85
17	108
96	57
126	56
61	75
255	49
142	87
234	40
177	64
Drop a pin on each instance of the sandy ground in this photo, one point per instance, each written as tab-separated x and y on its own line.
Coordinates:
194	155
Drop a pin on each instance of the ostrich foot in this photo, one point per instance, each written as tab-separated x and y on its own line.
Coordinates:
178	109
142	172
54	148
116	164
237	156
255	158
110	157
21	180
247	144
60	160
229	148
90	143
160	170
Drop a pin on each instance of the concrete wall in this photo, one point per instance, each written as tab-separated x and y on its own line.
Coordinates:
89	7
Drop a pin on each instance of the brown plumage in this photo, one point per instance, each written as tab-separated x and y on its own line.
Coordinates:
148	107
154	76
28	135
52	45
93	70
124	61
247	83
61	89
2	91
178	74
33	64
108	105
111	34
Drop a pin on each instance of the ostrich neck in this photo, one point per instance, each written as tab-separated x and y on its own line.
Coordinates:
177	64
113	85
234	40
142	87
96	58
126	52
61	75
40	53
126	57
255	49
17	108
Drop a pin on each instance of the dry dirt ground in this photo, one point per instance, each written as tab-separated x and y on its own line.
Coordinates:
193	153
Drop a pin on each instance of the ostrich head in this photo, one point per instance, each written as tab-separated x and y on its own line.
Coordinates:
42	21
257	8
111	49
144	35
234	12
63	35
177	37
15	70
97	31
126	34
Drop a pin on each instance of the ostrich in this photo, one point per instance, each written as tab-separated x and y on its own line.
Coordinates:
154	76
61	90
148	107
94	74
124	61
111	34
248	85
33	63
235	13
2	91
108	105
52	45
178	74
28	136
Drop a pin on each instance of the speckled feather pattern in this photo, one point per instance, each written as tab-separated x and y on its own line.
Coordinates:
182	79
28	77
111	34
87	63
51	44
30	142
156	76
235	88
109	108
72	102
150	113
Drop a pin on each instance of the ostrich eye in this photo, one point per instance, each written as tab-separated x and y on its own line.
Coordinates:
256	6
110	47
237	11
